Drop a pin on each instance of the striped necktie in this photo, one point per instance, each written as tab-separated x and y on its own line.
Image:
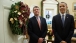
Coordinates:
63	19
38	20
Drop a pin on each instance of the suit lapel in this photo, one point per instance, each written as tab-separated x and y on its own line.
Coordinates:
35	21
66	19
60	21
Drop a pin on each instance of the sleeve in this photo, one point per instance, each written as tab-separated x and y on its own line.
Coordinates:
45	32
72	29
54	29
31	34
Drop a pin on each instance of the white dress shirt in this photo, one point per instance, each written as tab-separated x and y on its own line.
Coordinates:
63	14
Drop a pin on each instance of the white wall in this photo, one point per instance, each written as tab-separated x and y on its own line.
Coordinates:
6	35
1	24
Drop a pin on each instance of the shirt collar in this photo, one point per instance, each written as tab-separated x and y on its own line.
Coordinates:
63	14
37	17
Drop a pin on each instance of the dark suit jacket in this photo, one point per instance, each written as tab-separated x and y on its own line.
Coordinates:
63	32
34	31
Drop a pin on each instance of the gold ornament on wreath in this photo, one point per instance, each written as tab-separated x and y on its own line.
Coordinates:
18	18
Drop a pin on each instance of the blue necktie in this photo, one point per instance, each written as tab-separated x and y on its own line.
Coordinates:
63	19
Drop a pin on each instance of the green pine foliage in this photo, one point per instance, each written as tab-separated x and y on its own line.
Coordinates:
14	26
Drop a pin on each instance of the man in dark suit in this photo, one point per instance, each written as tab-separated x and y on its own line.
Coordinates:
63	25
37	27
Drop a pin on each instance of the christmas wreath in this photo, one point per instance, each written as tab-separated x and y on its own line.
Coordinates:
18	18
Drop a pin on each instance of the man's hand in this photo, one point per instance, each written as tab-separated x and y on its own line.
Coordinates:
63	42
40	40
